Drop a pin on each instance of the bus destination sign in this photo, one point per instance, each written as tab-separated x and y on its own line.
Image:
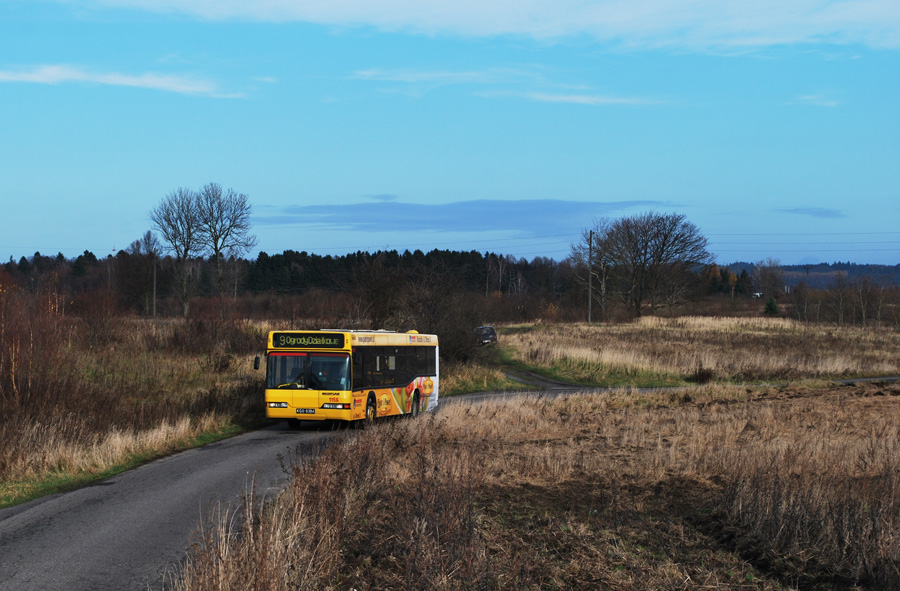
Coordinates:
293	340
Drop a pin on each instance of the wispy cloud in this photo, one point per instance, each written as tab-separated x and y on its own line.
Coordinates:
585	99
815	212
692	24
493	83
816	100
416	83
67	74
448	77
522	217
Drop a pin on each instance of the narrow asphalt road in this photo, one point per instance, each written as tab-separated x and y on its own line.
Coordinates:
124	533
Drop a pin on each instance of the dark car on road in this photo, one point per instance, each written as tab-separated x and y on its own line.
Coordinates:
485	335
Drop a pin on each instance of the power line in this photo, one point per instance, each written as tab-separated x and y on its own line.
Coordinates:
807	234
532	242
817	250
804	243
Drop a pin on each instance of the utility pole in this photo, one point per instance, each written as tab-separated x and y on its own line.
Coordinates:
153	257
590	272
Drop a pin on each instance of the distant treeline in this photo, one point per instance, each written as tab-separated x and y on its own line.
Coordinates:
136	281
444	292
824	275
294	272
376	285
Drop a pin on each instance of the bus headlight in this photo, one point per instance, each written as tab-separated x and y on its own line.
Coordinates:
278	405
333	406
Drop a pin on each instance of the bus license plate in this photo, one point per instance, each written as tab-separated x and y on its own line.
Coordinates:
306	411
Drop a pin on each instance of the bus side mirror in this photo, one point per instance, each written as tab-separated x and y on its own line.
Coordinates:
256	362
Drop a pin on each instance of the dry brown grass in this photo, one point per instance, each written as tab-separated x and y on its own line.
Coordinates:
79	396
738	349
719	487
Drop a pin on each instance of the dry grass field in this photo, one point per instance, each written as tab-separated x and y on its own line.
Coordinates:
671	351
719	487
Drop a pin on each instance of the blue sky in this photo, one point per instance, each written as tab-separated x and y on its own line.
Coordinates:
508	126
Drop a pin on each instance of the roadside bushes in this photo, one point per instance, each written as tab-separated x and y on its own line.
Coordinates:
213	327
72	386
34	334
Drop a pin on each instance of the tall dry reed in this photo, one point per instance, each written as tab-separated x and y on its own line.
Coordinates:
387	509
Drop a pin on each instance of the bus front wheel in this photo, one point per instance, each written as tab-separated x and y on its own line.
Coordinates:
371	412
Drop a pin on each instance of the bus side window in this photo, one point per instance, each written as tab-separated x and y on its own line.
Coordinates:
373	366
358	373
431	360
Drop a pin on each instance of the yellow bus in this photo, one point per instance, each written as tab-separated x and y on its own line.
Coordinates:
350	375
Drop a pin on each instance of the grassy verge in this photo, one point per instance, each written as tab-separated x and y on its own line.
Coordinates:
481	373
22	491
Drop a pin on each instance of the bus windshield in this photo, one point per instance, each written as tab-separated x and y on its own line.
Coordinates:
329	371
286	371
315	371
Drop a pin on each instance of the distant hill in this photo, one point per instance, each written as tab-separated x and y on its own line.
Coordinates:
823	275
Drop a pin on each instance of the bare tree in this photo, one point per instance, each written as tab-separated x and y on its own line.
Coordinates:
223	218
839	297
517	284
148	246
176	219
679	286
768	278
650	251
879	300
801	298
501	263
593	262
865	292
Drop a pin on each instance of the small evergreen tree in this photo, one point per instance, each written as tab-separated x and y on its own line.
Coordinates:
771	307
